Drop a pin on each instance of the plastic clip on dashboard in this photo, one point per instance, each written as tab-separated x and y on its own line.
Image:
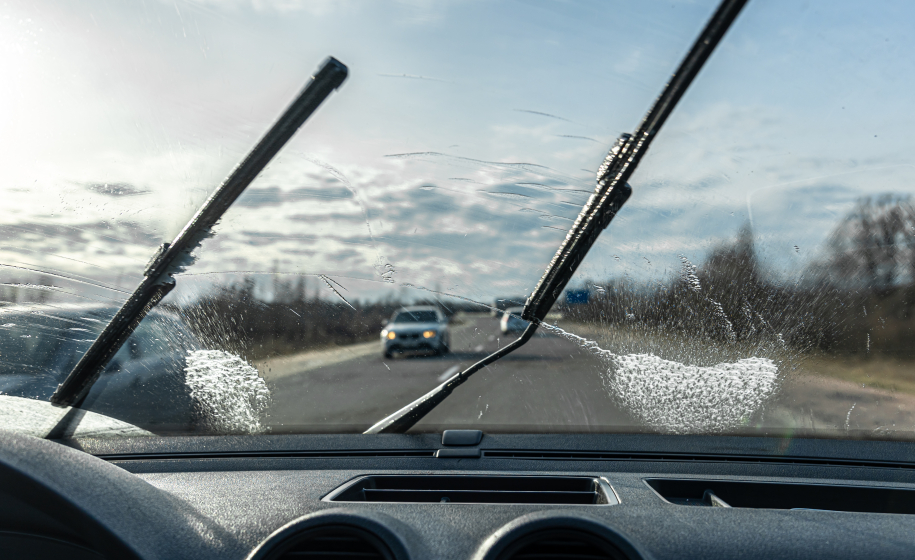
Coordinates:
461	437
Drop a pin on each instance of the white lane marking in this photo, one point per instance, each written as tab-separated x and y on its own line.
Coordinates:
449	372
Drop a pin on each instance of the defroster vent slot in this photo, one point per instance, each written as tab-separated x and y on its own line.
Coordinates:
476	489
784	495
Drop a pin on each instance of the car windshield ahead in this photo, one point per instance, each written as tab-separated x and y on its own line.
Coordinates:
760	279
416	317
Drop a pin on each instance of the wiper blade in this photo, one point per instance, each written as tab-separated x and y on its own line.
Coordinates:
609	195
172	257
612	189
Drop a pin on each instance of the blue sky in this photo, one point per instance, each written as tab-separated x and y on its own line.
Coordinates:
459	149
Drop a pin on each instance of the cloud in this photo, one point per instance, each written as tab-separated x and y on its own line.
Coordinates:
255	197
430	227
177	105
116	189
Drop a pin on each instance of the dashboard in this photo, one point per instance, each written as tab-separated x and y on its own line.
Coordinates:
504	497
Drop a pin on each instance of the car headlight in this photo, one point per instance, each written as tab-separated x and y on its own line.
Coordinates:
429	334
391	335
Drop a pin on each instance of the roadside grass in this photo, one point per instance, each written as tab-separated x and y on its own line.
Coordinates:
880	371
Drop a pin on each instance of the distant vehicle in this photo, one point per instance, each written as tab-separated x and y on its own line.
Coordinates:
143	384
499	305
511	321
416	328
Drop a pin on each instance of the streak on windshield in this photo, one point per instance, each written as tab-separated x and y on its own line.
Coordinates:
416	317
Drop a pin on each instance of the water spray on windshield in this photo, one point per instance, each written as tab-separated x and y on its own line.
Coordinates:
610	193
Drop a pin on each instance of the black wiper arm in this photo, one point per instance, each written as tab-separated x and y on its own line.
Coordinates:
171	257
612	191
610	194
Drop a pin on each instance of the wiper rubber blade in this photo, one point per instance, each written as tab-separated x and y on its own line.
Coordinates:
612	189
172	257
609	195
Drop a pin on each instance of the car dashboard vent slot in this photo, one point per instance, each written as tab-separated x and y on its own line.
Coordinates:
780	495
338	542
476	489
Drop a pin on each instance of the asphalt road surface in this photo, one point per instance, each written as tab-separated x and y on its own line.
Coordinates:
550	384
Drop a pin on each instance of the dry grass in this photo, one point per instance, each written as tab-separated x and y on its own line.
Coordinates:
878	372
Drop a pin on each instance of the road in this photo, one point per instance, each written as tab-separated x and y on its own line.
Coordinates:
532	386
550	384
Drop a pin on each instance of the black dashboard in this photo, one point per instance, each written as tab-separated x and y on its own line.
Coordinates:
509	496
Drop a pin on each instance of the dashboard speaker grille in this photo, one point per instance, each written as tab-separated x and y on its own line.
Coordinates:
336	542
562	544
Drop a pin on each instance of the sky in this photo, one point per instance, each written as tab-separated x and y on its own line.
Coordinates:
460	148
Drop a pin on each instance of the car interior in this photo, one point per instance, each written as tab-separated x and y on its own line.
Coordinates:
459	495
635	406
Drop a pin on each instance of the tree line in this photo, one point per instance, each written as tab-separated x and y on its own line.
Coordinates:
856	299
294	318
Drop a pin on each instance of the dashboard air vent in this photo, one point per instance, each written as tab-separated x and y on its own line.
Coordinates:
337	542
565	544
476	489
781	495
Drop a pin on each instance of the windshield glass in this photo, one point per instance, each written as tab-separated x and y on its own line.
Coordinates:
416	317
758	281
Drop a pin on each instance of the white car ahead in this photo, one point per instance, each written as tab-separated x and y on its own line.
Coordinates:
416	328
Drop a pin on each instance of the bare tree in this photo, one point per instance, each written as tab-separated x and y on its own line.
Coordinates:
872	247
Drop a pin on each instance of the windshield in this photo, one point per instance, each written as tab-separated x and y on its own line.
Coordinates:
759	280
416	317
